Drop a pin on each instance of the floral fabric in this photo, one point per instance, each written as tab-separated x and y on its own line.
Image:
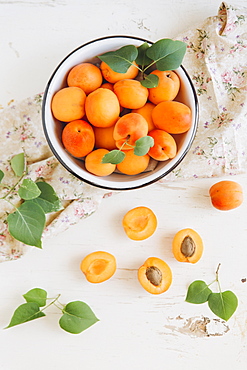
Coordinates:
216	61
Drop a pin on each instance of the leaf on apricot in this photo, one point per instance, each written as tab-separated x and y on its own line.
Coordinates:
114	157
150	81
143	145
120	60
142	58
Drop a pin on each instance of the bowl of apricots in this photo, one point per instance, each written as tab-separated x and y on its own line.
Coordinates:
121	112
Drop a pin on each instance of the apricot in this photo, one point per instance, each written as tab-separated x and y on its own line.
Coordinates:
107	85
87	76
226	195
133	164
187	246
172	116
68	104
139	223
155	275
104	137
112	76
131	94
94	165
146	112
78	138
165	146
102	108
129	128
98	266
167	89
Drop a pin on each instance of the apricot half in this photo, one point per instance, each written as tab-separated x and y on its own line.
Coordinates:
155	275
139	223
226	195
98	266
187	246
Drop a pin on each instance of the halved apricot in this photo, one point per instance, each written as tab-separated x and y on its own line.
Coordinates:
155	275
187	246
139	223
98	266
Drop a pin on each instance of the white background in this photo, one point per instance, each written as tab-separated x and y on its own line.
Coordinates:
136	330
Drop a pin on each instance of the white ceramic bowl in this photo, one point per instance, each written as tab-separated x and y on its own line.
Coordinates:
53	129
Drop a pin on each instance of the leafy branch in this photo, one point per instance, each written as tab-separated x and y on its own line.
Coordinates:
165	54
27	222
76	317
222	304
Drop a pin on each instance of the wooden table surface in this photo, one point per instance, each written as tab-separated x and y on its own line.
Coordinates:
136	329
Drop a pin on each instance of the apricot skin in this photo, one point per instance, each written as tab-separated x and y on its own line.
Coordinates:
177	245
98	266
139	223
165	279
226	195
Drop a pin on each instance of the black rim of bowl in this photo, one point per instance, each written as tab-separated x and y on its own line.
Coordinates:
94	183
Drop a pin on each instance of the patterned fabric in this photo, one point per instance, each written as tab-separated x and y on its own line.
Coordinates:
216	61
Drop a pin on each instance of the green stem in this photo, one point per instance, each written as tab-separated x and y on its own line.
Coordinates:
217	277
14	186
52	302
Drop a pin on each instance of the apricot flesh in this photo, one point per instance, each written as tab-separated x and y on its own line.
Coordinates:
155	275
187	246
98	266
139	223
226	195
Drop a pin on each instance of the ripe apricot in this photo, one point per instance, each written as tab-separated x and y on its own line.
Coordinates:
87	76
146	112
167	89
129	128
155	275
98	266
172	116
112	77
78	138
226	195
102	108
139	223
187	246
133	164
94	165
107	85
68	104
165	146
131	94
104	137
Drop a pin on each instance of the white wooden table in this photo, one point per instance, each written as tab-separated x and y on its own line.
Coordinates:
136	330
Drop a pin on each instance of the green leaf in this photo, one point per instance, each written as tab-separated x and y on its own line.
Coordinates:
120	60
27	223
25	312
18	164
77	316
223	304
36	295
48	199
143	145
28	190
198	292
114	157
142	58
1	175
167	54
150	81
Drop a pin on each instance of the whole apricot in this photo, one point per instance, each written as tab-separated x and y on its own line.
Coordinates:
78	138
155	275
167	89
226	195
139	223
102	108
164	147
68	104
146	112
131	94
94	165
133	164
87	76
172	116
187	246
104	137
98	266
112	76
